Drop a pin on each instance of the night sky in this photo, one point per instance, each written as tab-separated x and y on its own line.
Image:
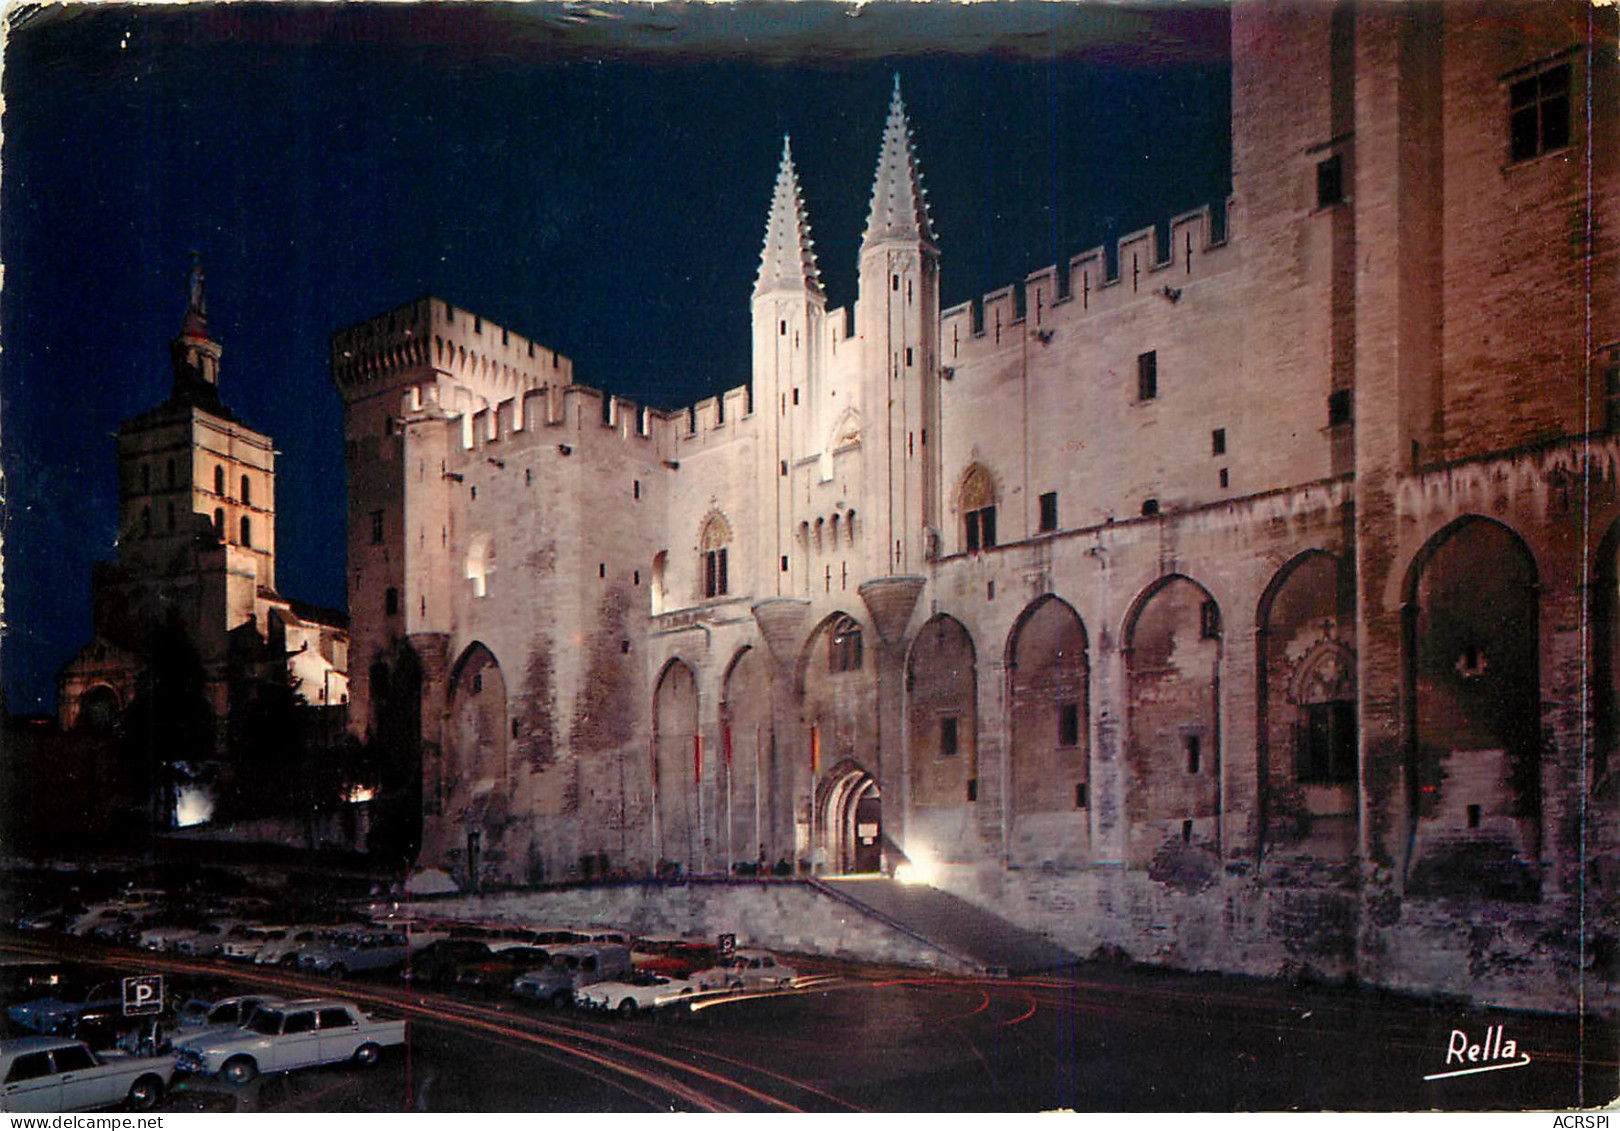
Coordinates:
595	177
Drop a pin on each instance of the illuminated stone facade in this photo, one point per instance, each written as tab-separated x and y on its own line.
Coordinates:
1218	599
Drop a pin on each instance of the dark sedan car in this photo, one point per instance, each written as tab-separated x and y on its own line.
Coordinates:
497	971
438	963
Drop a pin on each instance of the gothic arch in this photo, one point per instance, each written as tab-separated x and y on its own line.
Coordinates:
476	724
846	431
942	715
677	765
1172	653
976	497
1049	746
1307	712
714	540
839	712
1471	668
747	746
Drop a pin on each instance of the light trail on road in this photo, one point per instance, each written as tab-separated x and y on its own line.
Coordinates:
710	1091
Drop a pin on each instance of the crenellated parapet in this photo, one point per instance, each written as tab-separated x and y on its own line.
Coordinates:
568	414
712	420
1141	270
432	340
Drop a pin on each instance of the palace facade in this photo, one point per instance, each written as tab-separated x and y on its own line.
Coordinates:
1242	596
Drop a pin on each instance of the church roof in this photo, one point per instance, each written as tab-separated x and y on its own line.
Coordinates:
899	202
788	260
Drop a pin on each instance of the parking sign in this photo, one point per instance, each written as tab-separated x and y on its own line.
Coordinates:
143	995
728	945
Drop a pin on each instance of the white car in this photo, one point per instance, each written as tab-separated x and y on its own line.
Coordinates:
638	992
206	941
164	937
244	944
53	1074
285	951
297	1034
746	969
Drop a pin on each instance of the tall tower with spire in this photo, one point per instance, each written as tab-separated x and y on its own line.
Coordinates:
897	317
789	310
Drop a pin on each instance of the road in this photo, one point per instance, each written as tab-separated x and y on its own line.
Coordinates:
866	1039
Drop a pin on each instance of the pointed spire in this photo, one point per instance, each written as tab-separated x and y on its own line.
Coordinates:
789	259
899	202
196	320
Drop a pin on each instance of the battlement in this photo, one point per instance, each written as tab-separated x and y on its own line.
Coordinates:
713	419
1142	269
429	338
566	414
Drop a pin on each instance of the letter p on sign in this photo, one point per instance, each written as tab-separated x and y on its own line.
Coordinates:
143	995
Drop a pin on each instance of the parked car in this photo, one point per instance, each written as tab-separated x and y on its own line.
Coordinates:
350	953
638	992
746	969
100	913
437	964
674	958
53	1074
207	940
60	1013
285	952
571	969
243	945
419	933
42	919
496	969
163	933
295	1035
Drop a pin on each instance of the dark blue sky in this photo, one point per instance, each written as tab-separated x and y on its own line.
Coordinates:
595	178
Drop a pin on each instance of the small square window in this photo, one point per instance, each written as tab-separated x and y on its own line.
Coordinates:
1330	181
1150	507
376	527
1049	516
1082	795
391	602
973	789
784	563
1147	375
1191	744
1341	408
1209	620
947	736
1226	479
1217	442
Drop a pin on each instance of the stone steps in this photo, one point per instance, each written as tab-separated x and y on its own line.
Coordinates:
968	932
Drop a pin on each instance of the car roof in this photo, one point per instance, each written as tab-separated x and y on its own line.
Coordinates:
16	1046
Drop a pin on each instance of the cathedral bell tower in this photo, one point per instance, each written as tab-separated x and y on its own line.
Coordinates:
789	309
897	316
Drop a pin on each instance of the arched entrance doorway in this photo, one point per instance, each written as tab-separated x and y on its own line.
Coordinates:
852	822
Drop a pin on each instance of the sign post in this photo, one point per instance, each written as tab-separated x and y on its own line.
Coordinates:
143	995
728	945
